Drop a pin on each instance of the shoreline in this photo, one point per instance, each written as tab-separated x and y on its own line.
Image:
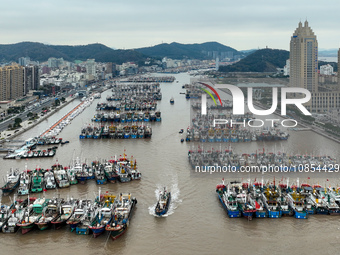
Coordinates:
25	126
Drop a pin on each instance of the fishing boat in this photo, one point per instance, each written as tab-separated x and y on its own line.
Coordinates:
25	183
61	177
99	173
172	100
296	203
122	215
49	180
4	214
244	206
331	205
85	221
103	217
73	170
255	198
310	203
32	215
163	203
37	181
320	201
284	204
271	198
50	213
79	212
65	212
122	171
84	174
12	182
110	174
227	196
15	215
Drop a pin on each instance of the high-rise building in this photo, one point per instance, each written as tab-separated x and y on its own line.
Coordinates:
91	67
24	61
31	78
304	58
55	62
11	82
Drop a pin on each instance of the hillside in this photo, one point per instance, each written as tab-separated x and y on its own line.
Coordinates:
41	52
191	51
265	60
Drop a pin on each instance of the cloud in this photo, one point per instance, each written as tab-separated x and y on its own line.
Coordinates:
242	24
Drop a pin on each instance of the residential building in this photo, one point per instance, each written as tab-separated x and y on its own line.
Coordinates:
91	67
326	70
11	82
31	78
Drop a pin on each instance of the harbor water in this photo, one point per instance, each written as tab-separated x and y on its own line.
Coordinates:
196	222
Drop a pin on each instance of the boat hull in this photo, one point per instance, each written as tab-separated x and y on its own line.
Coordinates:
115	234
83	230
97	231
43	226
25	228
166	208
274	214
261	214
231	213
300	215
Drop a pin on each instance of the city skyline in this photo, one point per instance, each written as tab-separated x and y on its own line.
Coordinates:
135	24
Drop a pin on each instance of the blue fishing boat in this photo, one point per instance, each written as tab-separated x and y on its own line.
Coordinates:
227	197
271	198
103	217
296	203
78	214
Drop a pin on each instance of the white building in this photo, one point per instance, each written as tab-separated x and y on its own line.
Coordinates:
326	70
91	67
286	68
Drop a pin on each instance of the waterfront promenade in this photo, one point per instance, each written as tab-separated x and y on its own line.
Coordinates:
28	124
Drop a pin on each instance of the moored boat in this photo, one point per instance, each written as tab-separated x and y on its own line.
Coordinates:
51	212
79	212
227	196
66	211
32	215
122	215
103	217
12	182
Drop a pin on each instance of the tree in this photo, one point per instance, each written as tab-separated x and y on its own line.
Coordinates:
17	122
57	102
10	126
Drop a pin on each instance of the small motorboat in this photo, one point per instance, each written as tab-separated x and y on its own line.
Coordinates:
172	100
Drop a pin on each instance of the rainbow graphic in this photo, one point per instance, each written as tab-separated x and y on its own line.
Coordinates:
209	93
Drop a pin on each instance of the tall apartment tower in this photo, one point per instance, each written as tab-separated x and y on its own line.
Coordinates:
31	78
91	67
11	82
304	58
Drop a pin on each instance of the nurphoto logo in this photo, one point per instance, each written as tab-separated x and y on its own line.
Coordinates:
239	102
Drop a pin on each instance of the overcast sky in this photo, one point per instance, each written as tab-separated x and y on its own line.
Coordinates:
127	24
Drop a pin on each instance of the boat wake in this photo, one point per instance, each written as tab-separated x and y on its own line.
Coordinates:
175	200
